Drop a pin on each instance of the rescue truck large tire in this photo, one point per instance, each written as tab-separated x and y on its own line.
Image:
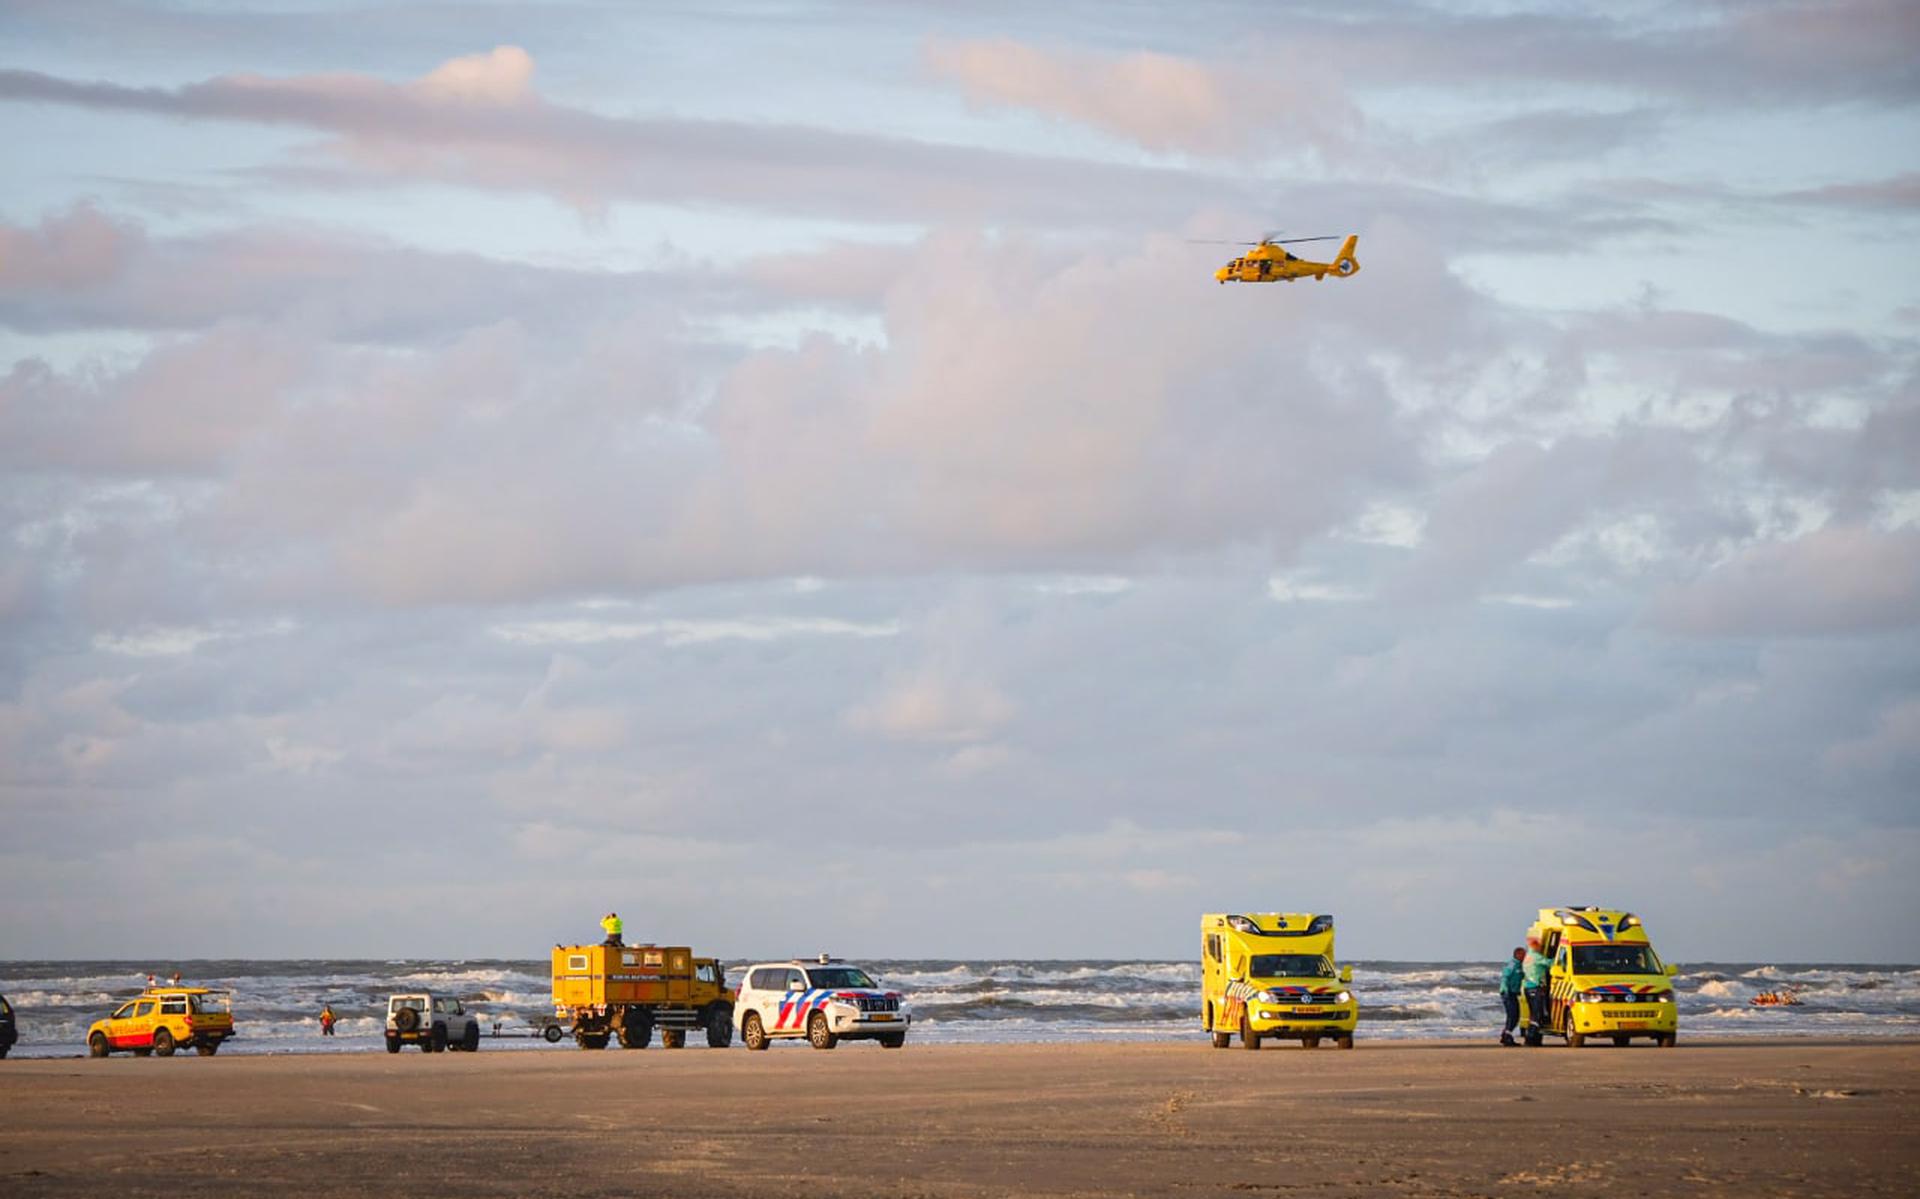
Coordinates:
471	1042
751	1031
673	1038
636	1029
719	1026
163	1043
1249	1039
393	1043
1309	1042
894	1040
97	1045
1345	1041
1668	1041
818	1034
207	1048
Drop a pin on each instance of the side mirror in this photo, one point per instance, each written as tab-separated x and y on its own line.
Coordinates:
1672	969
1346	974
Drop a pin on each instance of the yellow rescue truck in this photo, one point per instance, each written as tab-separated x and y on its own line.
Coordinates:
608	991
1606	980
164	1019
1271	975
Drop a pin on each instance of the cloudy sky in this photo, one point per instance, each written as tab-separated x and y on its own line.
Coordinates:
782	470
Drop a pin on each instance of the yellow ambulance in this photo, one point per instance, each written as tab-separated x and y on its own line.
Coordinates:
1606	980
1271	976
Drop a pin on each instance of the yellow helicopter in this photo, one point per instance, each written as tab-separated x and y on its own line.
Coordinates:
1270	262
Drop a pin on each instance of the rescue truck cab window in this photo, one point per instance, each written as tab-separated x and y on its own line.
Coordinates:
145	1009
201	1003
577	961
703	972
173	1005
125	1013
1213	946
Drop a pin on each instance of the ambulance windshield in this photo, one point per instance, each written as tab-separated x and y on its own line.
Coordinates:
838	976
1615	959
1289	965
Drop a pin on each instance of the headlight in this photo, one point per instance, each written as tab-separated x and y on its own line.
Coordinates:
1590	997
1269	997
1344	997
1665	997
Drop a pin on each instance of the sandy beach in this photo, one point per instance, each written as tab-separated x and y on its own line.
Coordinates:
1799	1118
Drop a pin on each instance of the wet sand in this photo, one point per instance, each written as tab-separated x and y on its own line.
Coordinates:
1798	1118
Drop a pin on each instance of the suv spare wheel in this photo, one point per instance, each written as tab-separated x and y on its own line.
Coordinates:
406	1019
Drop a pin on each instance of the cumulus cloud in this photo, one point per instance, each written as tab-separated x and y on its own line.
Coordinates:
1833	580
1161	102
477	121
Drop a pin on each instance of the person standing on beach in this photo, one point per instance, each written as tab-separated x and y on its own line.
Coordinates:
1533	972
1511	980
327	1020
610	924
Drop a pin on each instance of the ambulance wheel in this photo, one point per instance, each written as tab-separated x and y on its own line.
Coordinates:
818	1034
163	1043
207	1048
1345	1040
553	1034
393	1043
1222	1039
1575	1038
1249	1039
720	1027
1309	1042
97	1045
752	1032
672	1038
894	1040
471	1042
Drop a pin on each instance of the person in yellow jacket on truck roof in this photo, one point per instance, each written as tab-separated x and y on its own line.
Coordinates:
610	924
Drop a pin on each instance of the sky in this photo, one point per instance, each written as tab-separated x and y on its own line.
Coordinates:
785	472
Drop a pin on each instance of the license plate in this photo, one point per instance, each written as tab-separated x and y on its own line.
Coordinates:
1633	1024
879	1016
1306	1011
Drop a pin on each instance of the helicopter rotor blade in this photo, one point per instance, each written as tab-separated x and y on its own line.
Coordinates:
1288	241
1205	241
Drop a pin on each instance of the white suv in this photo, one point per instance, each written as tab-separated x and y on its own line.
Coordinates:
826	1001
436	1023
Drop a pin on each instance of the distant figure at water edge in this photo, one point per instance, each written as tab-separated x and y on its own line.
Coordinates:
1533	970
610	924
1512	978
175	980
327	1020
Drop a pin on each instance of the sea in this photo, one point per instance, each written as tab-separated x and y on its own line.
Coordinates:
277	1003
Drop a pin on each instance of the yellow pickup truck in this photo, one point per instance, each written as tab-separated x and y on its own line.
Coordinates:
164	1019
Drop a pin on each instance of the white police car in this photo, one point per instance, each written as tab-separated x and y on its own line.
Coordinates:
826	1001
